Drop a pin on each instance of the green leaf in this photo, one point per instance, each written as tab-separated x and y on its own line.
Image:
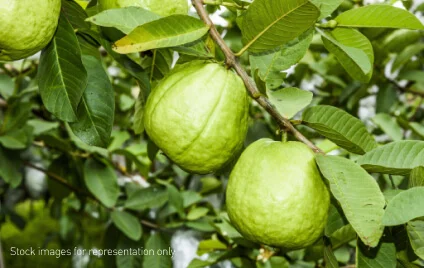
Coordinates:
75	14
157	244
127	223
152	197
383	256
358	194
329	258
10	164
128	261
352	49
326	7
271	65
170	31
101	180
17	139
289	101
343	236
340	127
210	184
379	16
130	66
40	126
397	158
124	19
15	117
404	207
416	236
62	77
335	220
389	125
97	108
6	86
175	199
197	213
406	55
268	24
416	178
61	166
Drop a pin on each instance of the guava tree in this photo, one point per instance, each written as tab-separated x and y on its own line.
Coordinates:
273	133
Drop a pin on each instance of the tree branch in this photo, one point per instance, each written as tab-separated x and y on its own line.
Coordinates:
233	62
59	179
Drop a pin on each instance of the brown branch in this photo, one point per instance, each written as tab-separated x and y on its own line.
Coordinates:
58	179
233	62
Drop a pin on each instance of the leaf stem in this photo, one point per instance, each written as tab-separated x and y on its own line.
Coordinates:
232	61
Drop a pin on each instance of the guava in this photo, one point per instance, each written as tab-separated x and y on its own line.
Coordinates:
26	26
276	196
198	116
160	7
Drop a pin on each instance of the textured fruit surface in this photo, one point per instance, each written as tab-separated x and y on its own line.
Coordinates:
163	8
198	116
276	196
26	26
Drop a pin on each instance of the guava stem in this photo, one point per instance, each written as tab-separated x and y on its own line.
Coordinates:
232	61
284	136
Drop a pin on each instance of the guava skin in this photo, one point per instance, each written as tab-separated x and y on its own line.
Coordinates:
198	116
276	196
155	6
26	26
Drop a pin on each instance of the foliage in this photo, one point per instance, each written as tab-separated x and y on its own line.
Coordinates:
77	170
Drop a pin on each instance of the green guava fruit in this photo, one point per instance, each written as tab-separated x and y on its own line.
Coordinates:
26	26
198	116
276	196
160	7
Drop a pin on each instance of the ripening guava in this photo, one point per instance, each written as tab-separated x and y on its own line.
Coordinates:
26	26
198	116
160	7
276	196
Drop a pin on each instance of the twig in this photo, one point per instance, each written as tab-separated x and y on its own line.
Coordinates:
150	224
232	61
58	178
406	89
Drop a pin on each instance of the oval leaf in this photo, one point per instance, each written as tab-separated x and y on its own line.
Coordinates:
416	236
359	196
170	31
127	223
268	24
62	77
340	127
151	197
271	65
389	125
379	16
97	109
289	101
397	158
383	256
102	182
404	207
352	49
155	243
124	19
